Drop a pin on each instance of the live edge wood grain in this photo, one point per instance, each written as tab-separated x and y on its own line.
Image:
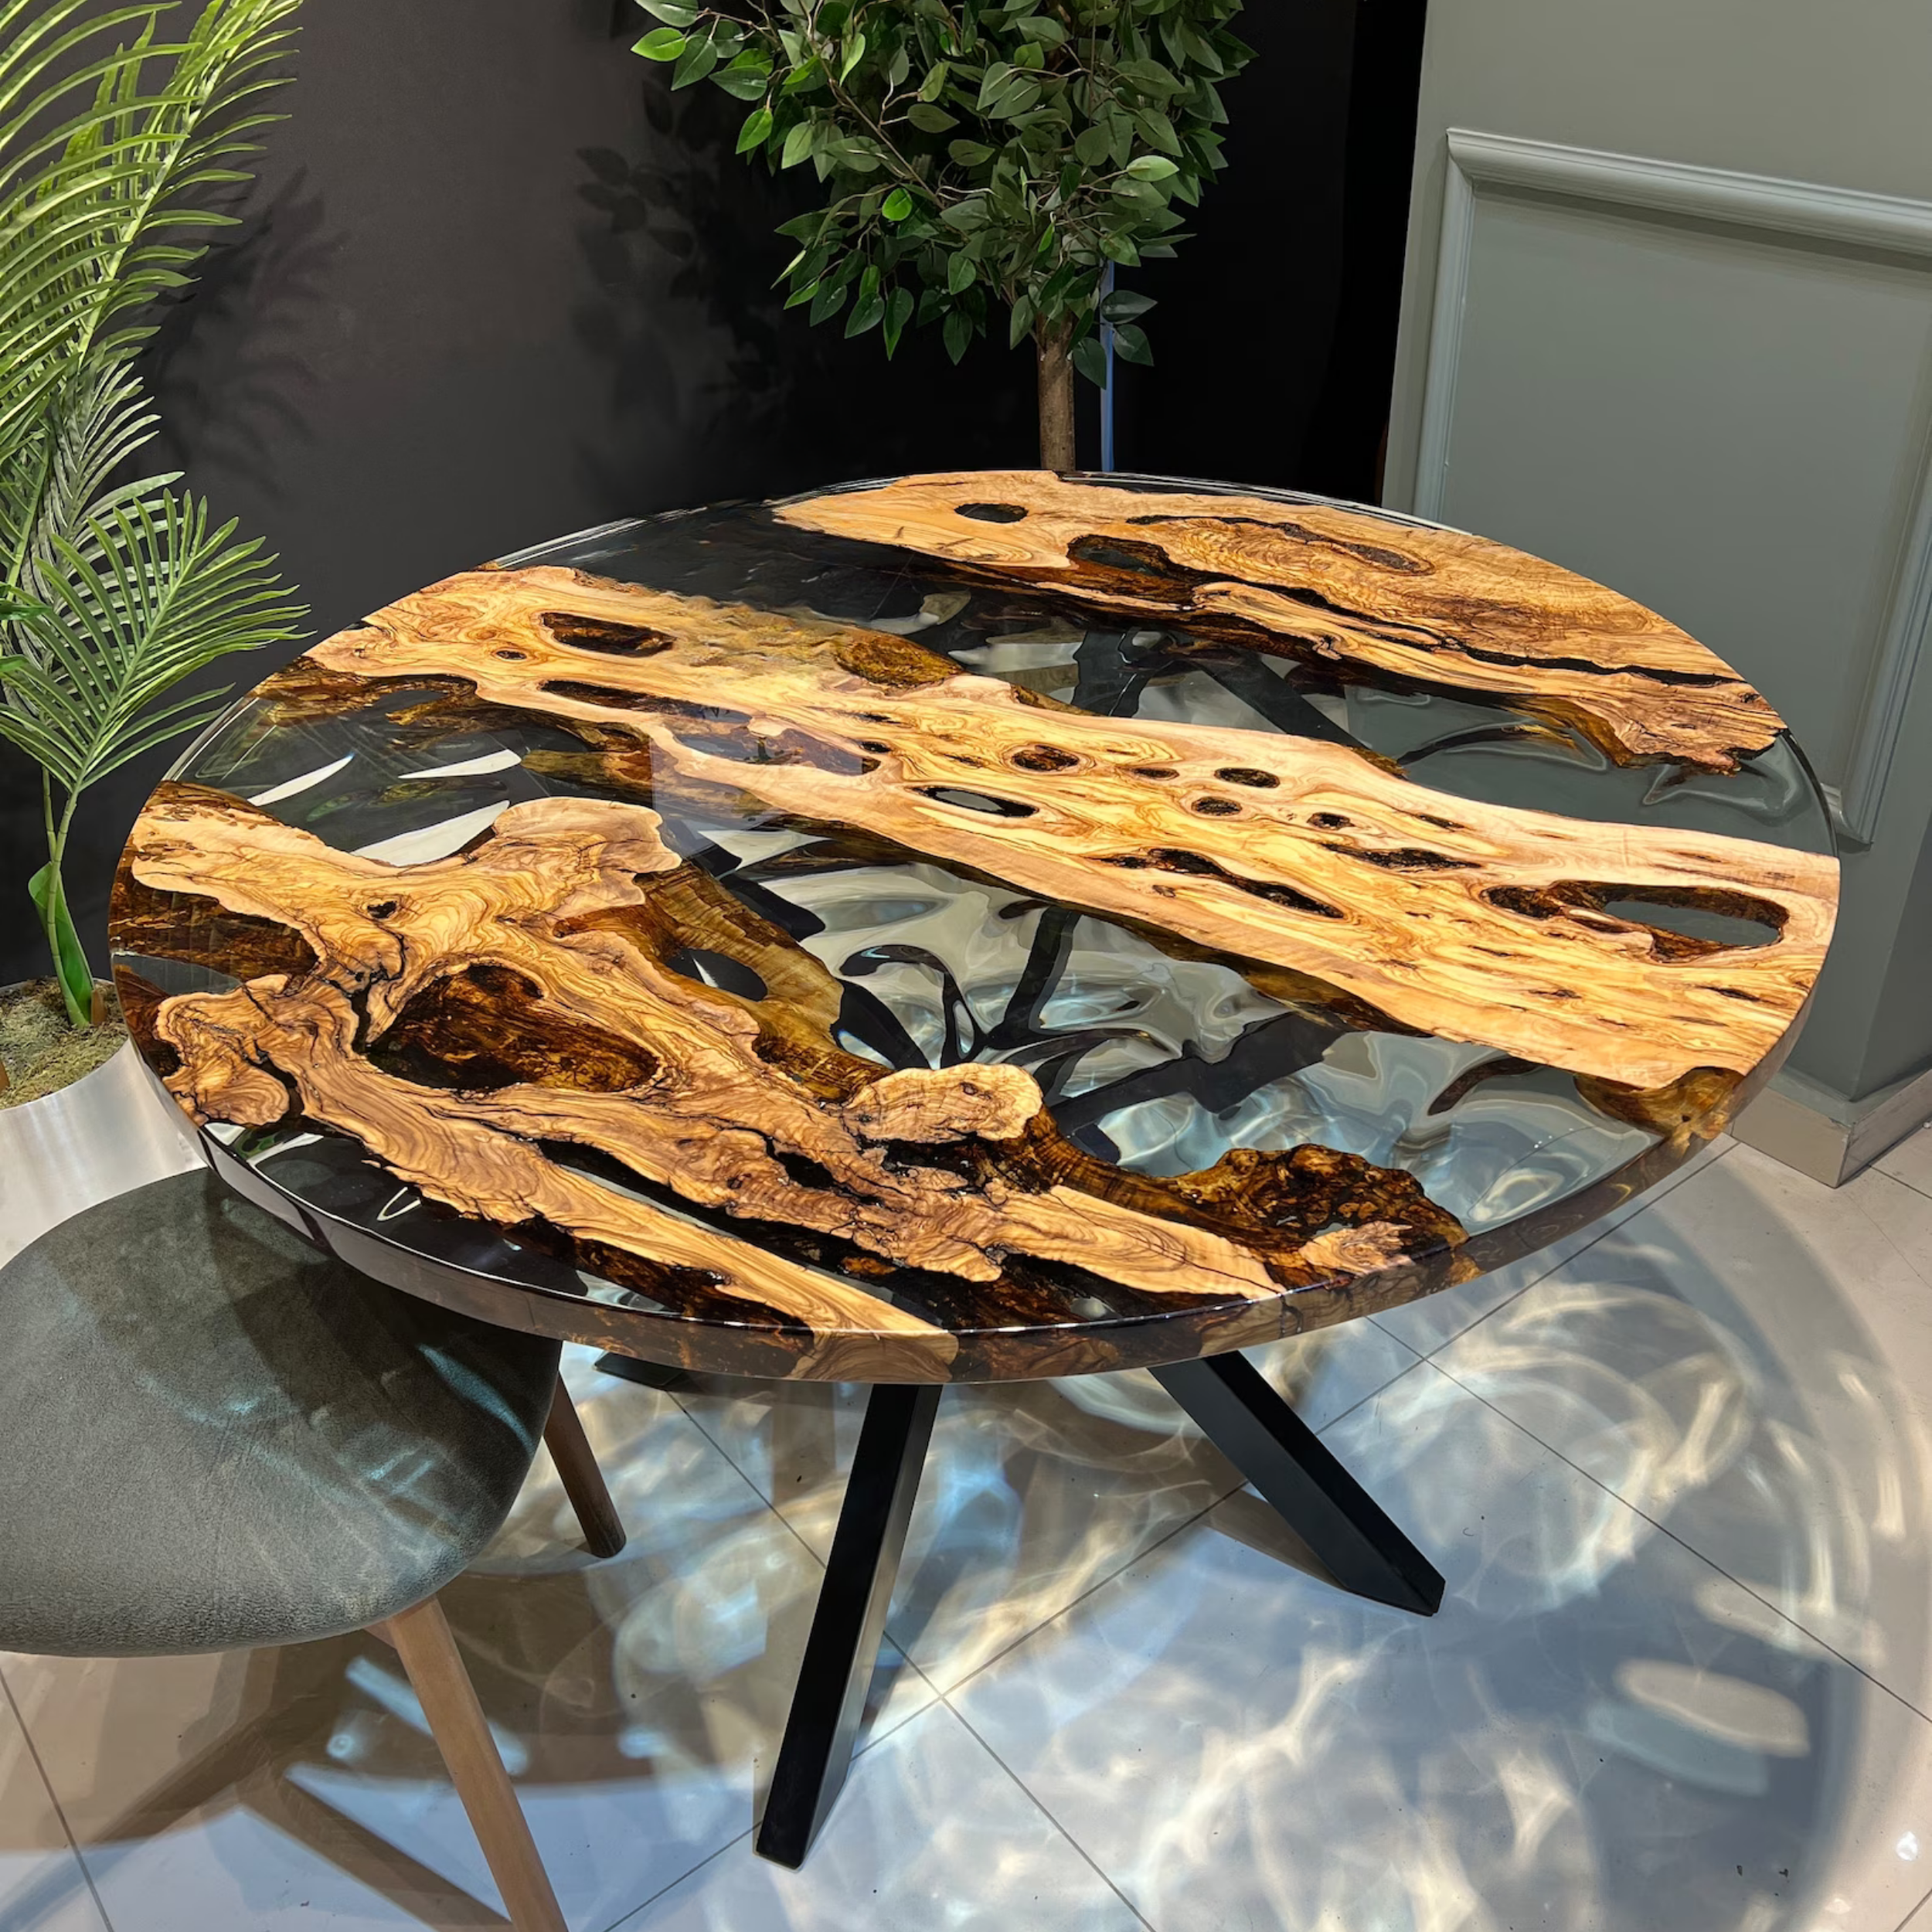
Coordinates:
478	1021
525	1034
1332	586
1472	922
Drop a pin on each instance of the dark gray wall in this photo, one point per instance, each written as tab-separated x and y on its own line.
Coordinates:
427	345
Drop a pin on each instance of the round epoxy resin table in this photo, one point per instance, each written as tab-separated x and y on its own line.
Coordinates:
977	926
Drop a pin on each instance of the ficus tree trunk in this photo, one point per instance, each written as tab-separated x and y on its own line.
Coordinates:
1055	345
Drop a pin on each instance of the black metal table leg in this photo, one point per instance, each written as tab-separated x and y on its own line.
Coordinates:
1321	1502
850	1619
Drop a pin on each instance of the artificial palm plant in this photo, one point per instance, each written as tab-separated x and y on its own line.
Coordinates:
117	143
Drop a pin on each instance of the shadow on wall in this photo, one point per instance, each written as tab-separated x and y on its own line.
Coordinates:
682	251
241	395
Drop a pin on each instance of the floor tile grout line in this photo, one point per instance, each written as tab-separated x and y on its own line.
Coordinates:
1913	1914
53	1798
1166	1537
632	1912
876	1736
1885	1234
1663	1530
1924	1193
1160	1541
1675	1182
1033	1798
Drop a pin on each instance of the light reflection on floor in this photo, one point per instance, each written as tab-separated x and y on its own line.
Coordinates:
1678	1484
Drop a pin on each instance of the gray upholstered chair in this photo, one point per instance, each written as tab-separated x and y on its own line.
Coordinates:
213	1437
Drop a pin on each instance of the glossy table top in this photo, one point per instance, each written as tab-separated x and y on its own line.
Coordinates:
975	926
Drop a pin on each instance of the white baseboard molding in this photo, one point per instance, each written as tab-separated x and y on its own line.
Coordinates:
1822	1134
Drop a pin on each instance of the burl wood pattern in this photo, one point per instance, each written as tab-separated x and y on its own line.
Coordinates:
470	1018
1469	921
1332	586
518	1032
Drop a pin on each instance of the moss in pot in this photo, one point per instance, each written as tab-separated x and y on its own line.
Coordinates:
41	1051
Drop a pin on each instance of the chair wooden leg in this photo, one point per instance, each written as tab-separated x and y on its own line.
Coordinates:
582	1480
422	1641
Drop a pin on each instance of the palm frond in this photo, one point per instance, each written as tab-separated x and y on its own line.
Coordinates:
152	595
92	425
104	209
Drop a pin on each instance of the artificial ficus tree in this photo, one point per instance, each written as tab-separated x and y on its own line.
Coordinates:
977	158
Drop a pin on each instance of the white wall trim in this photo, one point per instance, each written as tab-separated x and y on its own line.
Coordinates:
1800	211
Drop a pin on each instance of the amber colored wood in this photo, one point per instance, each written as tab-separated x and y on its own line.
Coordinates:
422	1639
576	1467
743	1107
1469	921
1361	594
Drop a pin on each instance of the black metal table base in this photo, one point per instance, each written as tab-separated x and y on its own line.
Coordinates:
1340	1522
1343	1525
850	1619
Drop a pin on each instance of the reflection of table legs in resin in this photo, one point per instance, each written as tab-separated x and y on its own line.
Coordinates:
1332	1514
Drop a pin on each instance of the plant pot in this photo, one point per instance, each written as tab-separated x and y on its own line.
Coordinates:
107	1132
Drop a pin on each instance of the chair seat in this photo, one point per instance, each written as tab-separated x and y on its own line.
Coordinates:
213	1437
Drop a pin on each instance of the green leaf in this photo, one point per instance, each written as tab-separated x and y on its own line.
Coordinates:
898	68
957	333
1152	167
70	960
797	144
830	299
1092	146
997	74
1018	96
1120	248
930	121
898	206
971	154
1150	75
699	58
661	43
855	51
899	312
1123	305
934	84
756	131
960	273
746	78
146	596
1130	344
866	313
859	156
673	13
1020	323
1043	29
1159	130
1090	359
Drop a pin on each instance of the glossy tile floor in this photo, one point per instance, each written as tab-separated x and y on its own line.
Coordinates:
1677	1479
